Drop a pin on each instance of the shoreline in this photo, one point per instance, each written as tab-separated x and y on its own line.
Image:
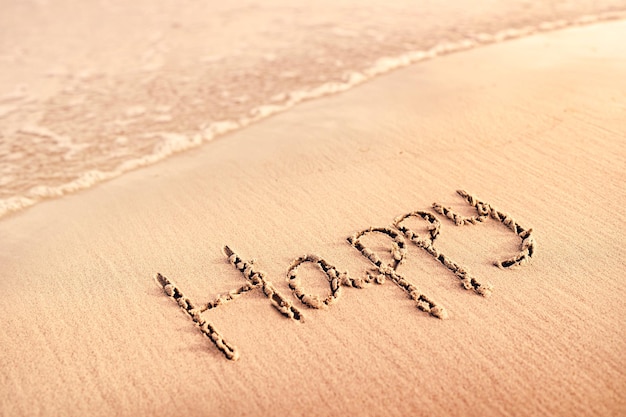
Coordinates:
176	142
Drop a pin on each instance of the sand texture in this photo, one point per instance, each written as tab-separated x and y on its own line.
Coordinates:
322	262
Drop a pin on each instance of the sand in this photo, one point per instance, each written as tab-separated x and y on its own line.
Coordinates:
532	128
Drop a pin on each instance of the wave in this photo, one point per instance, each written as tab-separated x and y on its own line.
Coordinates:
174	143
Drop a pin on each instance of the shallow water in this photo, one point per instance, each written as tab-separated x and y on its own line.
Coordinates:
90	90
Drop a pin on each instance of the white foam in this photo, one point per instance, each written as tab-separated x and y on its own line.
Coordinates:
173	142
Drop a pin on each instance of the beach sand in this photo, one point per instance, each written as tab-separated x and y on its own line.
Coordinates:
534	127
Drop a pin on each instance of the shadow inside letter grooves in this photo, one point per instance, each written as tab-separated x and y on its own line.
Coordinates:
397	232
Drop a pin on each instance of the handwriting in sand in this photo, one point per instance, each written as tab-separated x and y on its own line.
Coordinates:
398	233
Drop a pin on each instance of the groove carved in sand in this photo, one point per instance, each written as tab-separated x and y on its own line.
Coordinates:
484	211
256	279
467	280
335	279
195	313
398	251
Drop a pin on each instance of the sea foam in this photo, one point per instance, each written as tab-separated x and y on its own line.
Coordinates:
168	142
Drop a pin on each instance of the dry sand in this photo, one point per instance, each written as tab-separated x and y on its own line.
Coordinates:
534	127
